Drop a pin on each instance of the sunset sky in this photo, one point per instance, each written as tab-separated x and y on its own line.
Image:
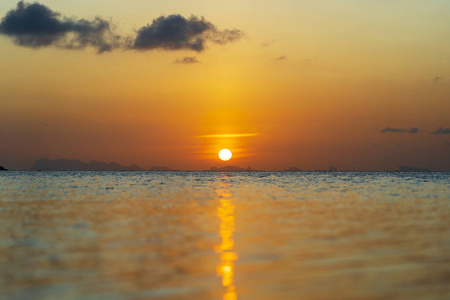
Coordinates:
360	85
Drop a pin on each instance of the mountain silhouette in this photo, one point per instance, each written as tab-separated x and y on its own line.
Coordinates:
45	164
292	169
332	169
3	169
160	169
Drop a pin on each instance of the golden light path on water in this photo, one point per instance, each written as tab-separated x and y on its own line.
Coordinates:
225	268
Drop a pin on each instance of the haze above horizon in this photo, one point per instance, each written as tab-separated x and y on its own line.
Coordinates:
309	84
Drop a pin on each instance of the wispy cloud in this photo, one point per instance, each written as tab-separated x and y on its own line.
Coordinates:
442	131
229	135
283	57
399	130
187	60
437	79
306	62
267	43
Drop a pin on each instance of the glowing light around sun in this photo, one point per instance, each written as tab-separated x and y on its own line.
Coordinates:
225	154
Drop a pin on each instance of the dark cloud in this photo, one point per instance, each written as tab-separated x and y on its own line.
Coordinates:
35	26
399	130
175	32
442	131
392	130
281	58
187	60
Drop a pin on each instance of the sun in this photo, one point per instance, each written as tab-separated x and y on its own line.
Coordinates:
225	154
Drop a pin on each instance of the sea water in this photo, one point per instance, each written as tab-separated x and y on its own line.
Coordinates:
213	235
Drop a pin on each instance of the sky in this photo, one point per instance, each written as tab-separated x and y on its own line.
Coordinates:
360	85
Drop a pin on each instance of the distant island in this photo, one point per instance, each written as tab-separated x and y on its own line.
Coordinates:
3	169
248	169
412	169
292	169
231	169
45	164
295	169
160	169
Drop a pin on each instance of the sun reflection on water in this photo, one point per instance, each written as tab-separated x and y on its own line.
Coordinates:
225	268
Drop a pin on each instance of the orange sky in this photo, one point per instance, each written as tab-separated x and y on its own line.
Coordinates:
310	84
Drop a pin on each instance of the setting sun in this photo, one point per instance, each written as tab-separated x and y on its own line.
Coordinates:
225	154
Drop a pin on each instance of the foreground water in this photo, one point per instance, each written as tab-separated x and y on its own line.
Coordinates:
204	235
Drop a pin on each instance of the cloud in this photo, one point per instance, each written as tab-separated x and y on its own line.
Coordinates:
35	26
281	58
392	130
437	79
175	32
399	130
442	131
187	60
267	43
231	135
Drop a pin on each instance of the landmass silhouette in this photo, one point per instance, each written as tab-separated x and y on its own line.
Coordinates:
292	169
232	169
45	164
412	169
3	169
166	169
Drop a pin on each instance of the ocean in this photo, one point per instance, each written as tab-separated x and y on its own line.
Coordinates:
224	235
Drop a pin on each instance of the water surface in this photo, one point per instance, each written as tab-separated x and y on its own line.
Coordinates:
206	235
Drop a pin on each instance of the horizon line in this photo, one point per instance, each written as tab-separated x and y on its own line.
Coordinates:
227	135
